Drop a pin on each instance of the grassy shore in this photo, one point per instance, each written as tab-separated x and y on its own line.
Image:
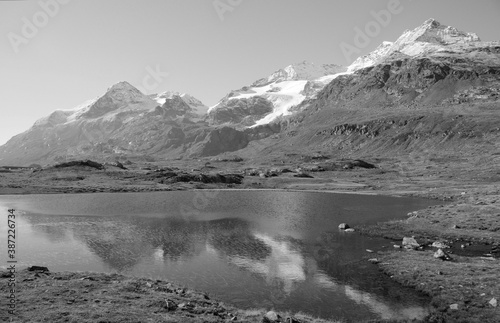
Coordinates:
43	296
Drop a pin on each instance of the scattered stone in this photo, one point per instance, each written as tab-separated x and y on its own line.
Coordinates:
369	250
454	307
120	165
487	258
81	163
170	305
440	254
291	320
271	317
493	302
410	243
397	246
455	226
440	245
373	261
343	226
358	163
38	268
349	230
6	274
303	175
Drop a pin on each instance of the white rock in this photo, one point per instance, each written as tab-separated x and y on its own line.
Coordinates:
454	307
343	226
493	302
410	243
271	316
440	254
440	245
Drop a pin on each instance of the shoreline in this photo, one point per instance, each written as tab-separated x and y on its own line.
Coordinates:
55	297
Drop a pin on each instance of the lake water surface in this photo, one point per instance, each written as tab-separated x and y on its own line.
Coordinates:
253	249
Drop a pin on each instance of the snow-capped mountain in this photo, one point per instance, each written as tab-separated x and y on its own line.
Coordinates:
121	121
429	38
119	100
274	96
303	71
196	105
429	66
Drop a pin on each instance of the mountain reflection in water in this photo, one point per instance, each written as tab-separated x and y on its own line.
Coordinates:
250	261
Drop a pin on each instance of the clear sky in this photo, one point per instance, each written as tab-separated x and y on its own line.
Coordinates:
61	56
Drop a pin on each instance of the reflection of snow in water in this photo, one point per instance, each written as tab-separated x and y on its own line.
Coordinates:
385	312
289	266
158	255
283	263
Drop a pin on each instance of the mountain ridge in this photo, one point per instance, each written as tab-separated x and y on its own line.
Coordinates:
431	66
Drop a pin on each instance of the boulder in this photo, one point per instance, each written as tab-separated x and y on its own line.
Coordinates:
440	254
271	317
454	307
343	226
170	305
410	243
38	268
253	172
373	261
440	245
493	302
303	175
80	163
358	163
120	165
349	230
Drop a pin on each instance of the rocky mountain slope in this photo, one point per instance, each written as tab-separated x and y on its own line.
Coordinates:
121	122
270	98
433	91
434	88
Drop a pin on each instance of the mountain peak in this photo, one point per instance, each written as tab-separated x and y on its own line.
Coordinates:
433	32
431	23
196	105
430	37
122	86
121	95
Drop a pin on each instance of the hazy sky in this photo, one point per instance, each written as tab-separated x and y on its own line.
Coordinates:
61	56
